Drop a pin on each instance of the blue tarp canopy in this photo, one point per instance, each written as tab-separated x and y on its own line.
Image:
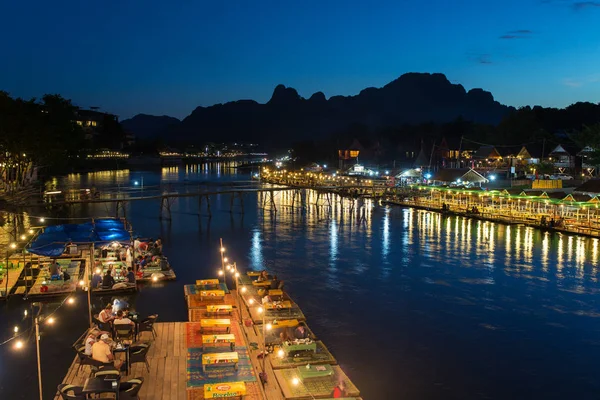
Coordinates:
52	242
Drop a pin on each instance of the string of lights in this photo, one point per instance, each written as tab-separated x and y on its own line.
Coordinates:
49	318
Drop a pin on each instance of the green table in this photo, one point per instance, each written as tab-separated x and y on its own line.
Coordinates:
289	347
314	371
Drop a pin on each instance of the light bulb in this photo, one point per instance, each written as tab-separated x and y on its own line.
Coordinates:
220	272
225	259
154	278
25	312
222	249
19	344
23	237
71	300
237	274
50	320
16	329
81	282
243	289
42	219
281	353
269	326
31	231
295	381
260	310
251	301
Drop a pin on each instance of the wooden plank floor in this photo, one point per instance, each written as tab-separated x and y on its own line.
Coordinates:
167	357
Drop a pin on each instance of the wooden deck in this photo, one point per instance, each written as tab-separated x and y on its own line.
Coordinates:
167	357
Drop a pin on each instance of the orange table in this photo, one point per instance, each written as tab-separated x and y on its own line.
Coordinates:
219	308
212	294
215	324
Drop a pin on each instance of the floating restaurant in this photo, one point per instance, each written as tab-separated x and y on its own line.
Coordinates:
60	259
250	342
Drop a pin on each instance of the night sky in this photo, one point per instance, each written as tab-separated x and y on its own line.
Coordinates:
167	57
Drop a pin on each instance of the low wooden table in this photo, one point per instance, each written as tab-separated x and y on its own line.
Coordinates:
278	305
220	359
215	324
208	282
314	372
261	283
225	389
212	294
275	292
253	273
216	340
290	348
219	308
285	323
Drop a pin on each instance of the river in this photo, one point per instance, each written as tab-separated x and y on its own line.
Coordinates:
412	304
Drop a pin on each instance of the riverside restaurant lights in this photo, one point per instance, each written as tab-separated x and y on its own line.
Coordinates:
107	154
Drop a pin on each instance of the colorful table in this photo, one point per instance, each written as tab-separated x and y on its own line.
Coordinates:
314	371
219	308
211	293
261	283
215	340
226	389
207	282
275	292
220	359
285	323
215	324
291	348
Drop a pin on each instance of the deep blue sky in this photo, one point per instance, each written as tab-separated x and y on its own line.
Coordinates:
167	57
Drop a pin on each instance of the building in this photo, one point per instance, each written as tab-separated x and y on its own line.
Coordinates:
349	154
94	122
458	176
564	158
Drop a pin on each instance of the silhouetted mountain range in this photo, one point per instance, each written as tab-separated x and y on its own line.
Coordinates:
413	98
149	126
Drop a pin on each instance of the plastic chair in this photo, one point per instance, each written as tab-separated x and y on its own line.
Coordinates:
139	353
70	392
130	389
147	325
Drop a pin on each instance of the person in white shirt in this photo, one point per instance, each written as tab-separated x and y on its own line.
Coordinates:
122	320
106	315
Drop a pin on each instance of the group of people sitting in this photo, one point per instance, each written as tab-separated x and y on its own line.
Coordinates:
99	344
108	280
151	246
300	333
275	282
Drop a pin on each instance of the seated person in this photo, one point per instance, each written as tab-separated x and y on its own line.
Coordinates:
143	262
106	315
263	276
96	280
122	319
301	332
108	281
266	299
92	338
54	268
101	351
130	275
274	283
